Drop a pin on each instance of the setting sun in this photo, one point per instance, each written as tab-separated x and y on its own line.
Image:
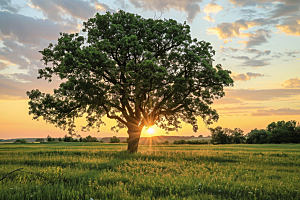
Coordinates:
150	130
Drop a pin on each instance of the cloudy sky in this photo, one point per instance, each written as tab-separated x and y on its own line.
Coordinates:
258	40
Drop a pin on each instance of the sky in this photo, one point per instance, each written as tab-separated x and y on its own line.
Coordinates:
257	40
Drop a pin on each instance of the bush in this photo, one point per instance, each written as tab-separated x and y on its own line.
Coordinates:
23	141
114	139
165	142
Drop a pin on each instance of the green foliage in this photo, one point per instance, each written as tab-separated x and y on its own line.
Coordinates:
22	141
284	132
40	140
114	139
227	136
276	132
68	139
107	171
50	139
137	71
91	139
258	137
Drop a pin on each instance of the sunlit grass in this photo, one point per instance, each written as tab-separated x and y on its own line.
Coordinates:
107	171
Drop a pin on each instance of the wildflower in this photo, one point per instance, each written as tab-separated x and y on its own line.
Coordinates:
91	198
219	190
250	192
11	188
200	184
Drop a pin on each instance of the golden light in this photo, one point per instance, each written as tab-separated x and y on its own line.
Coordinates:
150	130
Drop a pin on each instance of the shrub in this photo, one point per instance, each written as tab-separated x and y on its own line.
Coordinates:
22	141
114	139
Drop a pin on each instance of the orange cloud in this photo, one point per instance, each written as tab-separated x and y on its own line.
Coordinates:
208	18
246	77
292	28
291	83
212	8
283	111
228	30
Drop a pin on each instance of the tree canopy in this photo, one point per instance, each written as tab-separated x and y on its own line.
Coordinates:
137	71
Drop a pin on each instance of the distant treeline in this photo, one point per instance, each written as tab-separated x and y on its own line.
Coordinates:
191	142
71	139
89	138
275	133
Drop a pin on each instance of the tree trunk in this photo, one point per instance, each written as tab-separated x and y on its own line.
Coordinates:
134	133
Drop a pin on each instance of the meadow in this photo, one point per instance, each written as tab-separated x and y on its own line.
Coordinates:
107	171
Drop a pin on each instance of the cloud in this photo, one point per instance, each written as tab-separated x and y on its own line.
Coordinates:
292	53
6	5
226	100
234	29
3	65
103	7
30	30
291	83
241	57
229	30
256	63
285	10
212	8
259	2
283	111
55	9
123	5
190	6
226	41
15	86
22	55
261	95
246	77
290	26
239	108
208	18
259	37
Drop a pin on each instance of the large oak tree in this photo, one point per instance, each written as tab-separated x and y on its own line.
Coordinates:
137	71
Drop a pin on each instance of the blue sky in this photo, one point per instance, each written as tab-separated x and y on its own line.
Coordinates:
258	40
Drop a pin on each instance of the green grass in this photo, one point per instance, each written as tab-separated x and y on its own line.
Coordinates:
107	171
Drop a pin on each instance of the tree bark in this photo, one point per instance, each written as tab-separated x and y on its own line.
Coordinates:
134	133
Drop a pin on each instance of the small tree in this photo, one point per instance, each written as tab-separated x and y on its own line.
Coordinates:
165	142
50	139
39	140
137	71
68	139
219	135
114	139
237	136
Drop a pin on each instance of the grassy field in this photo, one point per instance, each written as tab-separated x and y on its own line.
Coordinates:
107	171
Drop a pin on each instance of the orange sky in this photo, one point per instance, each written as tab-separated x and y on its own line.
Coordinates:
16	123
258	40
